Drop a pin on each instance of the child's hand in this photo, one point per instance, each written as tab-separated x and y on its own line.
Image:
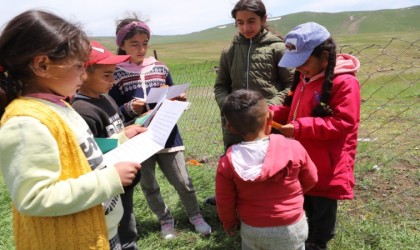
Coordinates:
133	130
127	171
137	105
182	97
287	130
233	231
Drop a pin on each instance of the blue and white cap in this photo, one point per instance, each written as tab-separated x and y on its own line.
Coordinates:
300	42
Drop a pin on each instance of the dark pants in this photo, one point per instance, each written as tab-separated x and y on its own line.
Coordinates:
114	243
322	214
127	230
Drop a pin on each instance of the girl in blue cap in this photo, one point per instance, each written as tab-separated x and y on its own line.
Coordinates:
322	112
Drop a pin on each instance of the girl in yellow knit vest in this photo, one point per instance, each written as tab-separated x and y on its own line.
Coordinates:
45	146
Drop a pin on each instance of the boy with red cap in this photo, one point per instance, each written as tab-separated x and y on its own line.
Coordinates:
105	120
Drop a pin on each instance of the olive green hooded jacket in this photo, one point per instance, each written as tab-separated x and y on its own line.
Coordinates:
253	64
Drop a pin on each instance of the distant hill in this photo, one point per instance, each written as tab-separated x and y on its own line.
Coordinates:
342	23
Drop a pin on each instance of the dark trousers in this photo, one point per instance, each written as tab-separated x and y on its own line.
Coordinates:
322	214
127	230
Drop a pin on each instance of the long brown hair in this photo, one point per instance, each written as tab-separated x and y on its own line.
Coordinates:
30	34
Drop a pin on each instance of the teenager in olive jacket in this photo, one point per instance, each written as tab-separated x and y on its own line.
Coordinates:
251	61
252	64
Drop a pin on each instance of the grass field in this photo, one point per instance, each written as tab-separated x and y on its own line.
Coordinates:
386	211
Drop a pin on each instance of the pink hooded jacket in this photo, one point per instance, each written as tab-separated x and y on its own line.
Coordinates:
331	141
275	196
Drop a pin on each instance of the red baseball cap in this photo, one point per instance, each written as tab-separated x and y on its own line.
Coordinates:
100	55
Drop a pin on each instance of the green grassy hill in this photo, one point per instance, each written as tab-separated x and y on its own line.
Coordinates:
342	23
352	27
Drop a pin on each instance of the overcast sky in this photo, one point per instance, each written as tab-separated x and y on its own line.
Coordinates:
173	17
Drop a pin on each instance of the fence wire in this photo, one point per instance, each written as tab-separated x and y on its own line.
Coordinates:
389	129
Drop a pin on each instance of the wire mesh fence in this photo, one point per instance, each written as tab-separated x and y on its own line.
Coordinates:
388	135
389	129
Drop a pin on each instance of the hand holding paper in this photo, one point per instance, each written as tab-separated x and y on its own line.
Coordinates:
182	98
127	171
170	92
146	144
176	90
138	105
133	130
147	118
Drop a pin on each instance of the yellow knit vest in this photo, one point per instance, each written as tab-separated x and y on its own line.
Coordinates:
83	230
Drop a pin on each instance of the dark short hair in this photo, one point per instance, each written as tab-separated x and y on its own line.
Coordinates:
245	110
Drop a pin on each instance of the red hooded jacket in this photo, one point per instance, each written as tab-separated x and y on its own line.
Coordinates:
275	196
331	141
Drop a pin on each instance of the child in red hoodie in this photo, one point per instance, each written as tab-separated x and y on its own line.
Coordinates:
260	182
322	112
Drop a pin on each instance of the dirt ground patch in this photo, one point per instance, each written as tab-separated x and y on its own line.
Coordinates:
396	189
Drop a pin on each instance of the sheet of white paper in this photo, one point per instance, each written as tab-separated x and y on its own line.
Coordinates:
152	114
176	90
171	92
137	149
142	146
155	94
165	119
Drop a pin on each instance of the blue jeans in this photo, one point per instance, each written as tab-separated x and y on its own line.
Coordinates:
290	237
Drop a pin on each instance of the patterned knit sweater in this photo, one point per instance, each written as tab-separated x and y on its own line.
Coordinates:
133	80
80	230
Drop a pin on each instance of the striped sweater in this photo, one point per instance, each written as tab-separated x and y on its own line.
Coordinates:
132	80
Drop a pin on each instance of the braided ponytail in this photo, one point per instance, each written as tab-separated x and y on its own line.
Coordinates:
323	109
289	97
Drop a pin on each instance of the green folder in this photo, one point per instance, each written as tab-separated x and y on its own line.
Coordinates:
106	144
143	120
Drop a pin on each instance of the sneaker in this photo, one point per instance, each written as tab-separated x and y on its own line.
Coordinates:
211	201
167	229
200	225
